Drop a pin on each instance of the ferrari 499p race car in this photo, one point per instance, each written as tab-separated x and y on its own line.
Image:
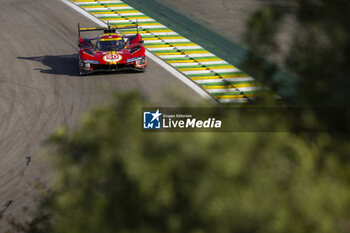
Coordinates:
111	51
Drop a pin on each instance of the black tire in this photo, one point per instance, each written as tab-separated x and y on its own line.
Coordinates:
82	72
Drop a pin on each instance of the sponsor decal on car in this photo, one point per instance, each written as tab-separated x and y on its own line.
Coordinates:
133	59
92	62
112	58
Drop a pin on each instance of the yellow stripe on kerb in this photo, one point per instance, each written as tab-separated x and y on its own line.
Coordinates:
87	7
234	96
247	85
103	13
220	77
229	86
121	19
106	8
140	24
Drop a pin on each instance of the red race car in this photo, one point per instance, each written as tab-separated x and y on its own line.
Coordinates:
111	51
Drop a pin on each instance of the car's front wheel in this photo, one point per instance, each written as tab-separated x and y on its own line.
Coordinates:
82	72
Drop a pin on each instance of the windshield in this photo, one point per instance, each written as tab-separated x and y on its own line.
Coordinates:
110	45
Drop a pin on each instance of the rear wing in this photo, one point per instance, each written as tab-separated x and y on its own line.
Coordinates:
109	29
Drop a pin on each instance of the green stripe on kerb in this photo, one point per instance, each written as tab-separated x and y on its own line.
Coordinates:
112	4
102	10
82	5
221	91
227	93
233	93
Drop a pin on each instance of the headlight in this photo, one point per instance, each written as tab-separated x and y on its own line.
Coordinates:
140	61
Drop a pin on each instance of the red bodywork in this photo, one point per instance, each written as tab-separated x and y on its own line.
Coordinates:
93	59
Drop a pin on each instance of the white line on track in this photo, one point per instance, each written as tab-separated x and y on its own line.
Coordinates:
165	41
95	8
175	48
235	100
98	2
154	33
253	88
153	57
210	71
200	63
151	26
222	90
136	13
189	47
129	21
242	79
199	55
121	8
98	14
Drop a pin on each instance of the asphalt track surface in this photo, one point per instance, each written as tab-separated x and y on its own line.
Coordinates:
40	90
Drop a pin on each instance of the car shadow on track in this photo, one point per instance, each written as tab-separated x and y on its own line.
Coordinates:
57	64
65	65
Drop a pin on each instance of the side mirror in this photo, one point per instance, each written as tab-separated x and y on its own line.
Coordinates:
141	42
